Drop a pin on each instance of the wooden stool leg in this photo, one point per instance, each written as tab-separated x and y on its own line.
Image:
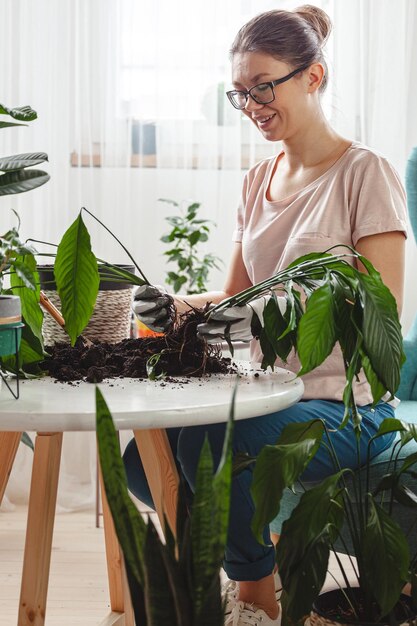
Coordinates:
9	443
40	525
161	472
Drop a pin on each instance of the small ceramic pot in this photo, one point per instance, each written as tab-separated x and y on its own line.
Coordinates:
10	324
406	613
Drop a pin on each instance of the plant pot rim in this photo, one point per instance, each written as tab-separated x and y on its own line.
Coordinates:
335	620
47	279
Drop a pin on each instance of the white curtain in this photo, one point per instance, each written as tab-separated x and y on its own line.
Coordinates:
130	97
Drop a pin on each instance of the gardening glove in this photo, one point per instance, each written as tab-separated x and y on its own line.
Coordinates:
239	318
152	305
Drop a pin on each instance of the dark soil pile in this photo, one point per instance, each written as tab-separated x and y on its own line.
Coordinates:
181	353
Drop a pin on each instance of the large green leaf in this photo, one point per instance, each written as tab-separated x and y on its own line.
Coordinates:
21	181
304	547
386	557
25	269
272	340
201	526
377	388
277	467
77	278
301	590
222	482
317	329
381	330
23	114
160	606
129	525
178	568
20	161
209	527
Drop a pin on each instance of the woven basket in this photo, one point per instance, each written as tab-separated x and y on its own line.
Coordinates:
111	318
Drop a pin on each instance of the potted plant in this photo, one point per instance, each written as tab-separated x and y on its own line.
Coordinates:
15	177
356	310
176	583
187	233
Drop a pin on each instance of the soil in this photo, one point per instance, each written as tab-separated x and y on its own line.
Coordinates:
181	352
333	606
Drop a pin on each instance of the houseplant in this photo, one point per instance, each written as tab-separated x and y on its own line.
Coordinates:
176	584
356	310
187	233
17	258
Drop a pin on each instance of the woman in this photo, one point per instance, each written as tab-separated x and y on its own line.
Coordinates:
320	190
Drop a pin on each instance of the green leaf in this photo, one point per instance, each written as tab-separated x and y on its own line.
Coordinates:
345	315
8	124
151	367
381	331
20	161
317	330
160	606
194	237
129	525
21	181
386	557
405	496
273	333
201	525
28	277
312	256
27	441
24	113
29	297
390	425
77	278
304	547
222	487
277	467
377	388
296	599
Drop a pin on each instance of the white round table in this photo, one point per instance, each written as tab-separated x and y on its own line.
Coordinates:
147	407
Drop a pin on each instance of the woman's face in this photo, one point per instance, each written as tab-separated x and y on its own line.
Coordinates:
288	112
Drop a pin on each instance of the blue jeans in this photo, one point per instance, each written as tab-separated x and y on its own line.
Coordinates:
245	558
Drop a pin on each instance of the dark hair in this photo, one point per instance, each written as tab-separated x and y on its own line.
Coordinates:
295	37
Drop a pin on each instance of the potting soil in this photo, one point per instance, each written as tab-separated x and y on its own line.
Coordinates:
181	352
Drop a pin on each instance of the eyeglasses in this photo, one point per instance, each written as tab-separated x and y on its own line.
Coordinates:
262	93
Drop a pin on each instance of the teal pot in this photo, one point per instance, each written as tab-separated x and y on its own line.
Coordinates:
331	609
10	324
111	319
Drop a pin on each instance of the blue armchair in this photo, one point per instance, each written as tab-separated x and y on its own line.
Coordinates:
407	390
406	411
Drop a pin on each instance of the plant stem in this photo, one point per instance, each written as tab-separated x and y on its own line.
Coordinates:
119	242
348	600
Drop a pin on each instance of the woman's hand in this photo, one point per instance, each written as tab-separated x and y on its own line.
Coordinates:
238	319
153	306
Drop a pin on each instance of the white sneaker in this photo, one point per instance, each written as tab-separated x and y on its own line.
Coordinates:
230	592
244	614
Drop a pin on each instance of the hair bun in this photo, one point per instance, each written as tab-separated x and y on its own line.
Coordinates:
318	20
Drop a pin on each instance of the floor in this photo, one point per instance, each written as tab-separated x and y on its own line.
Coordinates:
78	594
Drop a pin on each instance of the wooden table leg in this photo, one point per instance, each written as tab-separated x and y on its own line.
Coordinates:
161	472
40	525
120	601
9	443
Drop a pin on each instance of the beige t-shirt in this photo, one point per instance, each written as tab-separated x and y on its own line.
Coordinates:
360	195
